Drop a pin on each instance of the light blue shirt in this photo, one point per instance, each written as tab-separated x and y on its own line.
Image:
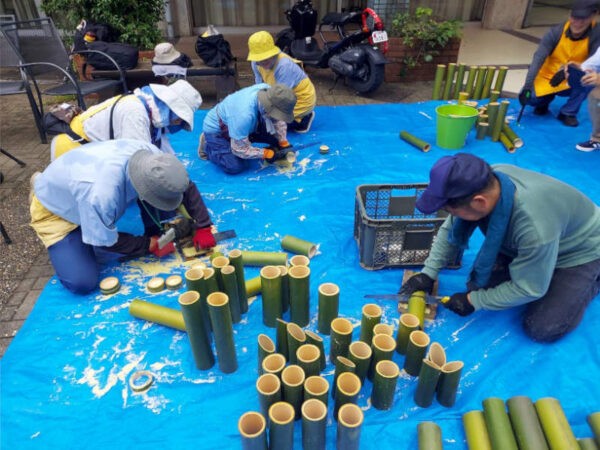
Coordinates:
89	186
592	63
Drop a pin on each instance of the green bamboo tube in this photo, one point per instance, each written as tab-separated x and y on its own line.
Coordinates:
252	427
268	387
555	425
360	354
298	246
437	82
315	339
463	97
494	96
197	333
448	383
507	143
415	352
384	384
220	318
449	81
498	424
383	328
415	141
487	84
482	118
299	260
285	288
273	363
270	280
295	337
194	281
341	337
308	356
250	258
492	111
159	314
469	86
476	431
218	263
314	424
407	324
350	420
594	421
214	255
230	287
478	88
525	423
430	436
510	133
383	347
316	387
428	379
347	388
460	79
417	305
482	130
292	381
437	354
235	258
299	279
342	365
587	444
281	426
499	121
371	315
502	71
329	302
265	347
281	340
253	286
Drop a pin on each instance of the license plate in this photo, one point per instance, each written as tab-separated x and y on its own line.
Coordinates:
379	36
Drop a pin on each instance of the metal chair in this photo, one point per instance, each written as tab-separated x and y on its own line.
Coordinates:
36	49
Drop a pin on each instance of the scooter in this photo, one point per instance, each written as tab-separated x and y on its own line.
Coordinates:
356	56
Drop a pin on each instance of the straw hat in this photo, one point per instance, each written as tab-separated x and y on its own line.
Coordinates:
261	46
181	98
159	178
278	102
165	53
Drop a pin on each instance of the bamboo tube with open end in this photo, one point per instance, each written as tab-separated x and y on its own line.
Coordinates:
384	384
502	71
230	287
299	260
198	335
281	340
342	365
482	130
487	84
218	263
383	347
383	328
371	315
307	356
253	286
316	387
281	427
415	352
449	81
476	431
347	387
328	306
298	246
299	279
316	340
509	146
510	133
350	419
159	314
273	363
270	279
494	96
265	347
235	258
417	305
292	380
556	428
437	82
437	354
407	324
194	280
499	120
525	423
415	141
268	387
285	288
252	258
341	337
492	111
252	427
360	354
220	318
430	436
448	383
498	424
314	424
480	72
427	383
295	338
471	80
460	79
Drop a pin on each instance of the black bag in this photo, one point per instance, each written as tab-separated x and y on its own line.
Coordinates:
124	54
214	50
58	119
102	31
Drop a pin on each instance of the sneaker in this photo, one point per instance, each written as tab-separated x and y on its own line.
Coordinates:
570	121
304	125
540	110
588	146
201	148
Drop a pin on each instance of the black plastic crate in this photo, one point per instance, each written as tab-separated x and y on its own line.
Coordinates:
390	231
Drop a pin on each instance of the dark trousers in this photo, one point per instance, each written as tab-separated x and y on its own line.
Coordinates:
576	97
561	309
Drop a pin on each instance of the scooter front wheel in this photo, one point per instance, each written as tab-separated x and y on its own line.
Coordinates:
369	76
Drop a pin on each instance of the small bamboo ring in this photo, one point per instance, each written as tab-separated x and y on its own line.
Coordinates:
146	377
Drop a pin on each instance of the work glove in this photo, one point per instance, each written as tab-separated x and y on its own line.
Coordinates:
460	304
524	96
418	282
271	155
203	238
160	252
558	78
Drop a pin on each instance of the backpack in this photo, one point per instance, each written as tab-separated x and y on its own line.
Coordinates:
124	54
214	50
102	31
57	120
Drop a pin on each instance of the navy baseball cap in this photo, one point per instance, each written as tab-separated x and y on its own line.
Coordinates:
582	9
453	177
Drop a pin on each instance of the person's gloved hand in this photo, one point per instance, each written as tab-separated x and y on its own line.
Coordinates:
558	78
271	155
160	252
203	238
418	282
460	304
285	145
525	95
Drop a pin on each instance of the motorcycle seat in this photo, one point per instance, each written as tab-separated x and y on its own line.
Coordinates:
339	19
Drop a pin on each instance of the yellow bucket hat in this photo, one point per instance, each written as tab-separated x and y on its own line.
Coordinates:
261	46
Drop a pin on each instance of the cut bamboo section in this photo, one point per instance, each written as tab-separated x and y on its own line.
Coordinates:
476	431
510	133
298	246
236	260
507	143
449	81
469	87
252	258
268	387
480	73
437	82
430	436
428	379
198	335
299	281
502	71
499	120
220	318
159	314
460	79
487	84
556	428
526	424
253	286
498	424
265	347
230	287
482	130
448	383
270	279
408	323
415	141
252	427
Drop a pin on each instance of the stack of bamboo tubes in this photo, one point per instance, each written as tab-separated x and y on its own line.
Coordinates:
476	81
492	122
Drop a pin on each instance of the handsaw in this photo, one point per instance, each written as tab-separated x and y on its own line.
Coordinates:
431	301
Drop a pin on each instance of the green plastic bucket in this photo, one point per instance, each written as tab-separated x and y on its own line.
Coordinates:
453	125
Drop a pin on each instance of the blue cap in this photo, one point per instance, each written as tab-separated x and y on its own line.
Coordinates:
453	177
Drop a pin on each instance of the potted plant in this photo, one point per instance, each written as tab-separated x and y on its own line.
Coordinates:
418	42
